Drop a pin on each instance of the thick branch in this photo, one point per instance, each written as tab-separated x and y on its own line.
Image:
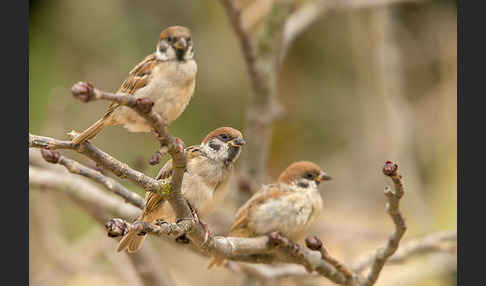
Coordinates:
254	250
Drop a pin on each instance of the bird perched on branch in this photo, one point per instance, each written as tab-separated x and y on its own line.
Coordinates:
288	206
167	77
208	169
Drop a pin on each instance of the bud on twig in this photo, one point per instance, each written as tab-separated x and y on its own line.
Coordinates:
51	156
276	238
313	243
116	227
145	104
83	91
155	159
390	169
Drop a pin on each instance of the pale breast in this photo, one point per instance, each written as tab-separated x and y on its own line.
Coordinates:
289	216
206	184
173	87
170	87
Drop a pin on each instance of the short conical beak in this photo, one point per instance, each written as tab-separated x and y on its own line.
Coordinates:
181	44
237	142
323	177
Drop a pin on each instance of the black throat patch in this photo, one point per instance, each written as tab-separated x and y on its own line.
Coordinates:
180	54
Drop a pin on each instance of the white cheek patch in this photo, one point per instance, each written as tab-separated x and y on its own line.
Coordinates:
169	54
218	155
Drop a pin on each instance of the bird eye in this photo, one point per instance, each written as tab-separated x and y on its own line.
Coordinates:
309	175
224	136
169	39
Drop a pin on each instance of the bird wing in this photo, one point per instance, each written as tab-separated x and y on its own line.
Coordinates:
153	200
166	171
137	78
242	226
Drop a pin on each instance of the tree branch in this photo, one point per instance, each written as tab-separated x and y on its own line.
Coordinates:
100	206
246	43
143	106
101	158
87	194
265	249
428	244
261	59
112	185
382	254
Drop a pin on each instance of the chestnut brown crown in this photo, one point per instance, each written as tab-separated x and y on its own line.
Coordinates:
175	32
224	133
302	169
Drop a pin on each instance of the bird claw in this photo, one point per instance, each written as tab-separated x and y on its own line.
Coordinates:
206	234
139	227
204	226
180	144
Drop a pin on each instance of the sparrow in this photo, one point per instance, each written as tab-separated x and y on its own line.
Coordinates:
288	206
204	185
167	77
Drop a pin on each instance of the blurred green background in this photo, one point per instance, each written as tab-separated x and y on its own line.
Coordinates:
360	86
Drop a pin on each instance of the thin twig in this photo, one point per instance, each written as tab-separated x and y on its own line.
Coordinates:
314	243
79	169
81	191
382	254
428	244
102	159
247	46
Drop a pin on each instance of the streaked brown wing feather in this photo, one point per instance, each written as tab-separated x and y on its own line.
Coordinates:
152	203
139	75
166	171
137	78
153	200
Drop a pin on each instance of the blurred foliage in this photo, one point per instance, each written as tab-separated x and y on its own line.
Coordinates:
338	111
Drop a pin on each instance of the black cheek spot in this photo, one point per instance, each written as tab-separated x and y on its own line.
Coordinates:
303	185
214	146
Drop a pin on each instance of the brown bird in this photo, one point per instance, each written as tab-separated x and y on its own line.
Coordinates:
167	77
288	206
209	167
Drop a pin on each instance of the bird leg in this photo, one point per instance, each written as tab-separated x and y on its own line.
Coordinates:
204	226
